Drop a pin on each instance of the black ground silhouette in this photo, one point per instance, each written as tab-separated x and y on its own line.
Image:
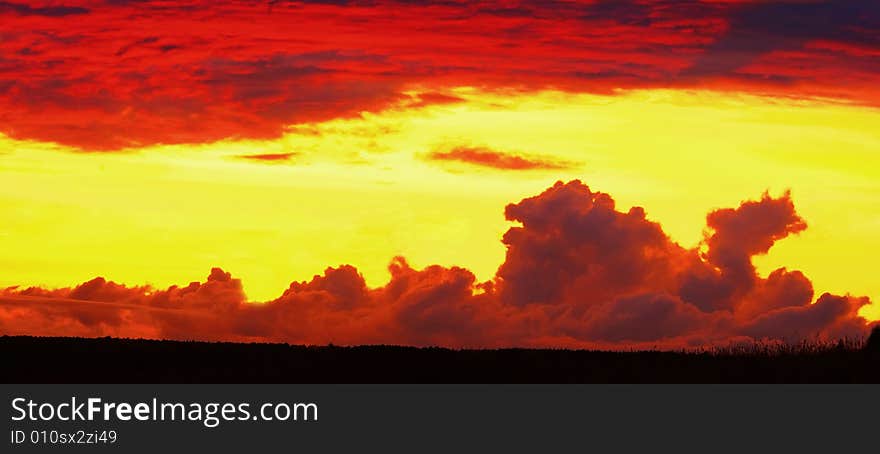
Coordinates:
108	360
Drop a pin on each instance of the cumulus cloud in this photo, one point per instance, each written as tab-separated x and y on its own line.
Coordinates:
578	273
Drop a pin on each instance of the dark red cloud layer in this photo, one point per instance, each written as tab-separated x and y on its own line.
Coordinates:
485	157
578	273
105	75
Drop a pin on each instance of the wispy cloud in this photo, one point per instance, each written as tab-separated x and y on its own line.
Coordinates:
268	157
485	157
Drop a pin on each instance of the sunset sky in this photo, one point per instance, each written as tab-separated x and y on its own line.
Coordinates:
148	142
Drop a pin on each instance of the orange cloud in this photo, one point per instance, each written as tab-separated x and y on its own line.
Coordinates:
578	273
485	157
268	157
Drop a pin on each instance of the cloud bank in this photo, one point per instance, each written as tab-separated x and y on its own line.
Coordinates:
132	74
578	273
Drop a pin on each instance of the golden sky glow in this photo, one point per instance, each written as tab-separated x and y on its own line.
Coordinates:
362	190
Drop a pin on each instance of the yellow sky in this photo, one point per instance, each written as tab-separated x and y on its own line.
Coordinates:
360	191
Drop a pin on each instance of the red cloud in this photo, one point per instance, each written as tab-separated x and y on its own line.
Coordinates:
578	273
485	157
268	157
149	72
